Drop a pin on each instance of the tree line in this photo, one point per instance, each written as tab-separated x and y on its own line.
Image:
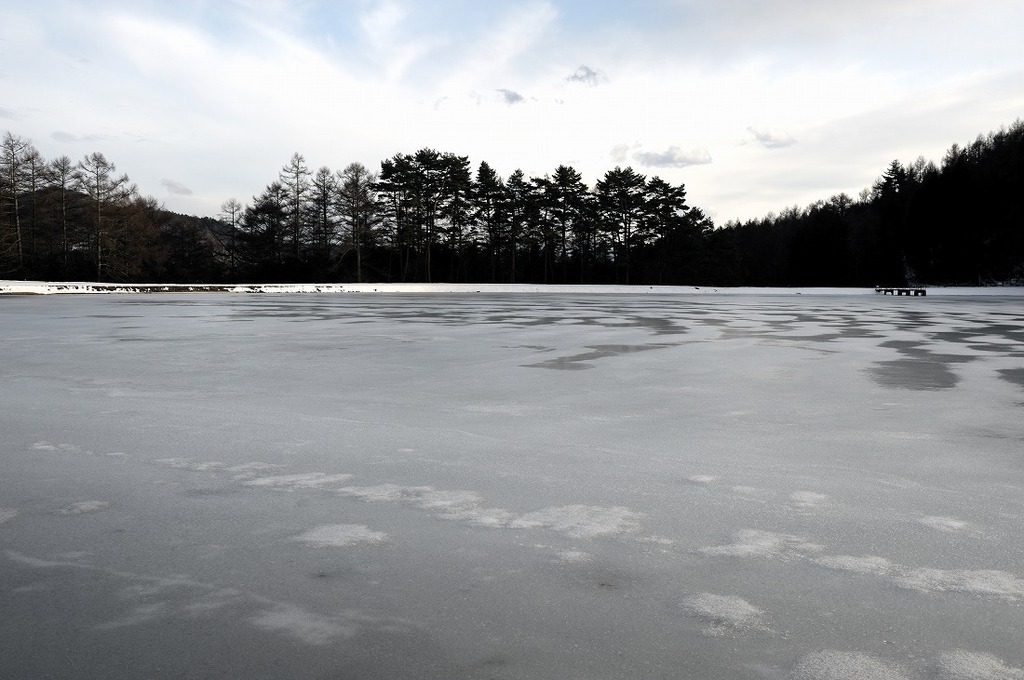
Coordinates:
429	216
63	220
424	216
961	222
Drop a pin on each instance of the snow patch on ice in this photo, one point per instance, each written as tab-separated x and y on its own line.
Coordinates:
7	514
341	535
870	564
947	525
56	448
574	556
250	470
834	665
498	408
755	543
446	501
657	540
580	521
307	627
725	613
493	518
84	507
985	582
746	490
981	582
309	480
190	464
386	493
703	480
964	665
807	499
450	504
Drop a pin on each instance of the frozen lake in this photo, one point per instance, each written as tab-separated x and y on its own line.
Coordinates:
815	487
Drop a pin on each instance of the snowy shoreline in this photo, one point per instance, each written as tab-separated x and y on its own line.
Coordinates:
83	287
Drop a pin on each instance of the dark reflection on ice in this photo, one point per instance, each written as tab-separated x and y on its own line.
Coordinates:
914	374
1014	375
923	369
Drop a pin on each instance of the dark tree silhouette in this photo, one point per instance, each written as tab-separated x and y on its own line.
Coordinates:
427	217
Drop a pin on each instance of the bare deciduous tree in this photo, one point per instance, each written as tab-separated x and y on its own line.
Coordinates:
14	155
61	175
97	178
294	178
231	212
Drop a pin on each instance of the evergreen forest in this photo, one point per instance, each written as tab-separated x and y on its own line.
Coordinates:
430	216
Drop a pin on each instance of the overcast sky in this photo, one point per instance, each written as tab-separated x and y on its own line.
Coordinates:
755	105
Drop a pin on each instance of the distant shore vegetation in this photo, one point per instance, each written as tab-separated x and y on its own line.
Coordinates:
429	216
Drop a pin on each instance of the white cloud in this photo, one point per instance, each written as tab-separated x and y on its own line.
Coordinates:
176	187
620	152
672	157
585	75
510	96
771	138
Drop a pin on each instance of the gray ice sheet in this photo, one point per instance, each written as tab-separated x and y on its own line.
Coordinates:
511	486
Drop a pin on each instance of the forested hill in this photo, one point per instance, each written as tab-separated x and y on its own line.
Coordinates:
430	216
958	223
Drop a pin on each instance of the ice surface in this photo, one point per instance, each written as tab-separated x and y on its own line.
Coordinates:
948	525
807	499
189	464
575	556
410	484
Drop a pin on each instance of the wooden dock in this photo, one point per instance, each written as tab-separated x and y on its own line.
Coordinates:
886	290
